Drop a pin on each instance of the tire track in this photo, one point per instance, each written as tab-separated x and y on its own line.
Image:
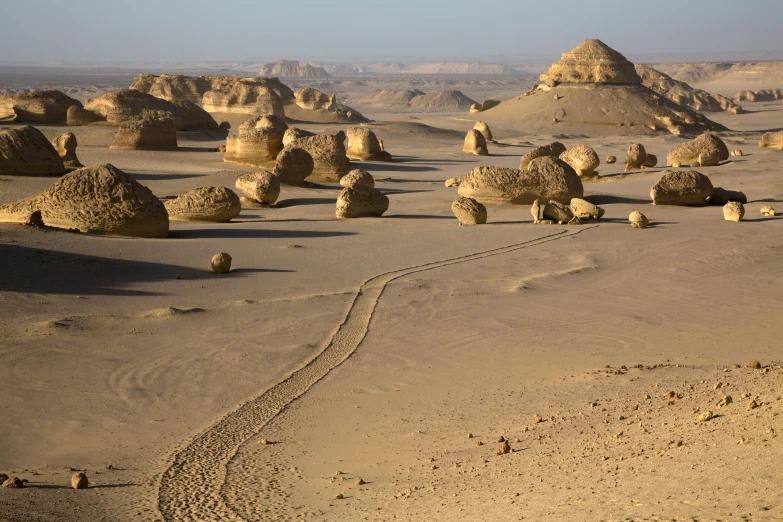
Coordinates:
191	486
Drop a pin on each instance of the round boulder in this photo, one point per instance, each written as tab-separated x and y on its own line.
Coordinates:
469	211
610	160
705	150
680	187
475	144
733	211
221	263
554	149
358	177
635	157
585	209
772	140
214	204
79	481
483	128
582	159
263	187
294	165
638	220
25	151
360	201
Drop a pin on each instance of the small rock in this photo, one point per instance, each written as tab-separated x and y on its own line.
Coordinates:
537	419
479	443
453	182
505	448
754	365
638	220
221	263
705	416
736	153
725	401
79	481
753	405
470	435
766	210
610	160
266	442
13	483
501	439
733	211
339	496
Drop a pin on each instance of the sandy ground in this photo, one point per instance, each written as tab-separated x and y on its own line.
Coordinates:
370	349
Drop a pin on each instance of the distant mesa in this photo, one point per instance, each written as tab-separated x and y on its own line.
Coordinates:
293	69
593	89
257	96
37	106
437	101
683	94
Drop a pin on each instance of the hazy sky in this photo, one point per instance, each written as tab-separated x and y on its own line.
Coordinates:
237	30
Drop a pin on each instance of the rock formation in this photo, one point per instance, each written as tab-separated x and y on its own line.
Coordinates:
358	177
441	101
215	204
635	157
767	210
146	134
682	188
294	165
585	209
37	106
65	145
25	151
78	115
592	61
469	211
293	69
118	107
360	201
309	101
554	149
330	161
683	94
546	178
706	150
363	145
582	159
261	187
221	263
772	140
759	96
733	211
475	144
488	104
638	220
259	141
79	481
483	128
294	133
558	213
99	200
650	161
453	182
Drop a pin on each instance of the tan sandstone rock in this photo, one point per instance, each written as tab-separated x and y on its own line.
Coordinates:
635	157
65	145
582	159
469	211
25	151
585	209
118	107
767	210
294	165
483	128
363	145
475	144
650	162
79	481
221	263
592	61
100	200
78	116
638	220
554	149
37	106
610	159
215	204
545	178
295	133
259	141
772	140
682	188
146	134
262	187
705	150
360	201
733	211
13	483
330	162
358	177
453	182
558	213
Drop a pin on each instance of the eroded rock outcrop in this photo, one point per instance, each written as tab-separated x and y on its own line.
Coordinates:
259	141
330	162
261	187
592	61
146	134
99	200
683	94
705	150
294	133
468	211
363	145
294	165
78	116
485	131
293	68
635	157
682	188
772	140
65	145
125	105
25	151
582	159
554	149
586	210
475	144
360	201
358	177
215	204
40	106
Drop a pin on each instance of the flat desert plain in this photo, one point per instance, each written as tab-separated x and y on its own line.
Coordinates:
370	369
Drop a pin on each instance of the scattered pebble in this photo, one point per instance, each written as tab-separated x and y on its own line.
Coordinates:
754	365
339	496
705	416
725	401
504	448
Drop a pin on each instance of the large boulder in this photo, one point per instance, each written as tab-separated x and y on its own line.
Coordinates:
262	187
118	107
586	210
705	150
682	188
484	129
592	61
260	140
99	200
772	140
733	211
294	165
554	149
363	145
358	177
330	162
65	145
635	157
361	201
546	178
475	143
582	159
469	211
146	134
25	151
215	204
37	106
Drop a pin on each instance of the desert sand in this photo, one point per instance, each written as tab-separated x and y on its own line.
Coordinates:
347	369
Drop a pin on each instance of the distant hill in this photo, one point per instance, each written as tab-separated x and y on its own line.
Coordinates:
292	69
437	101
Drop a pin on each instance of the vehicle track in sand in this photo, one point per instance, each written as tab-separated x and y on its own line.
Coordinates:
190	489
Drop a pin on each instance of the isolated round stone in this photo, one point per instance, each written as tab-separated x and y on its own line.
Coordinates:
221	263
638	220
79	481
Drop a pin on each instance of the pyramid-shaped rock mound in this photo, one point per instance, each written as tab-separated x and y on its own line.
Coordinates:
592	61
594	90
